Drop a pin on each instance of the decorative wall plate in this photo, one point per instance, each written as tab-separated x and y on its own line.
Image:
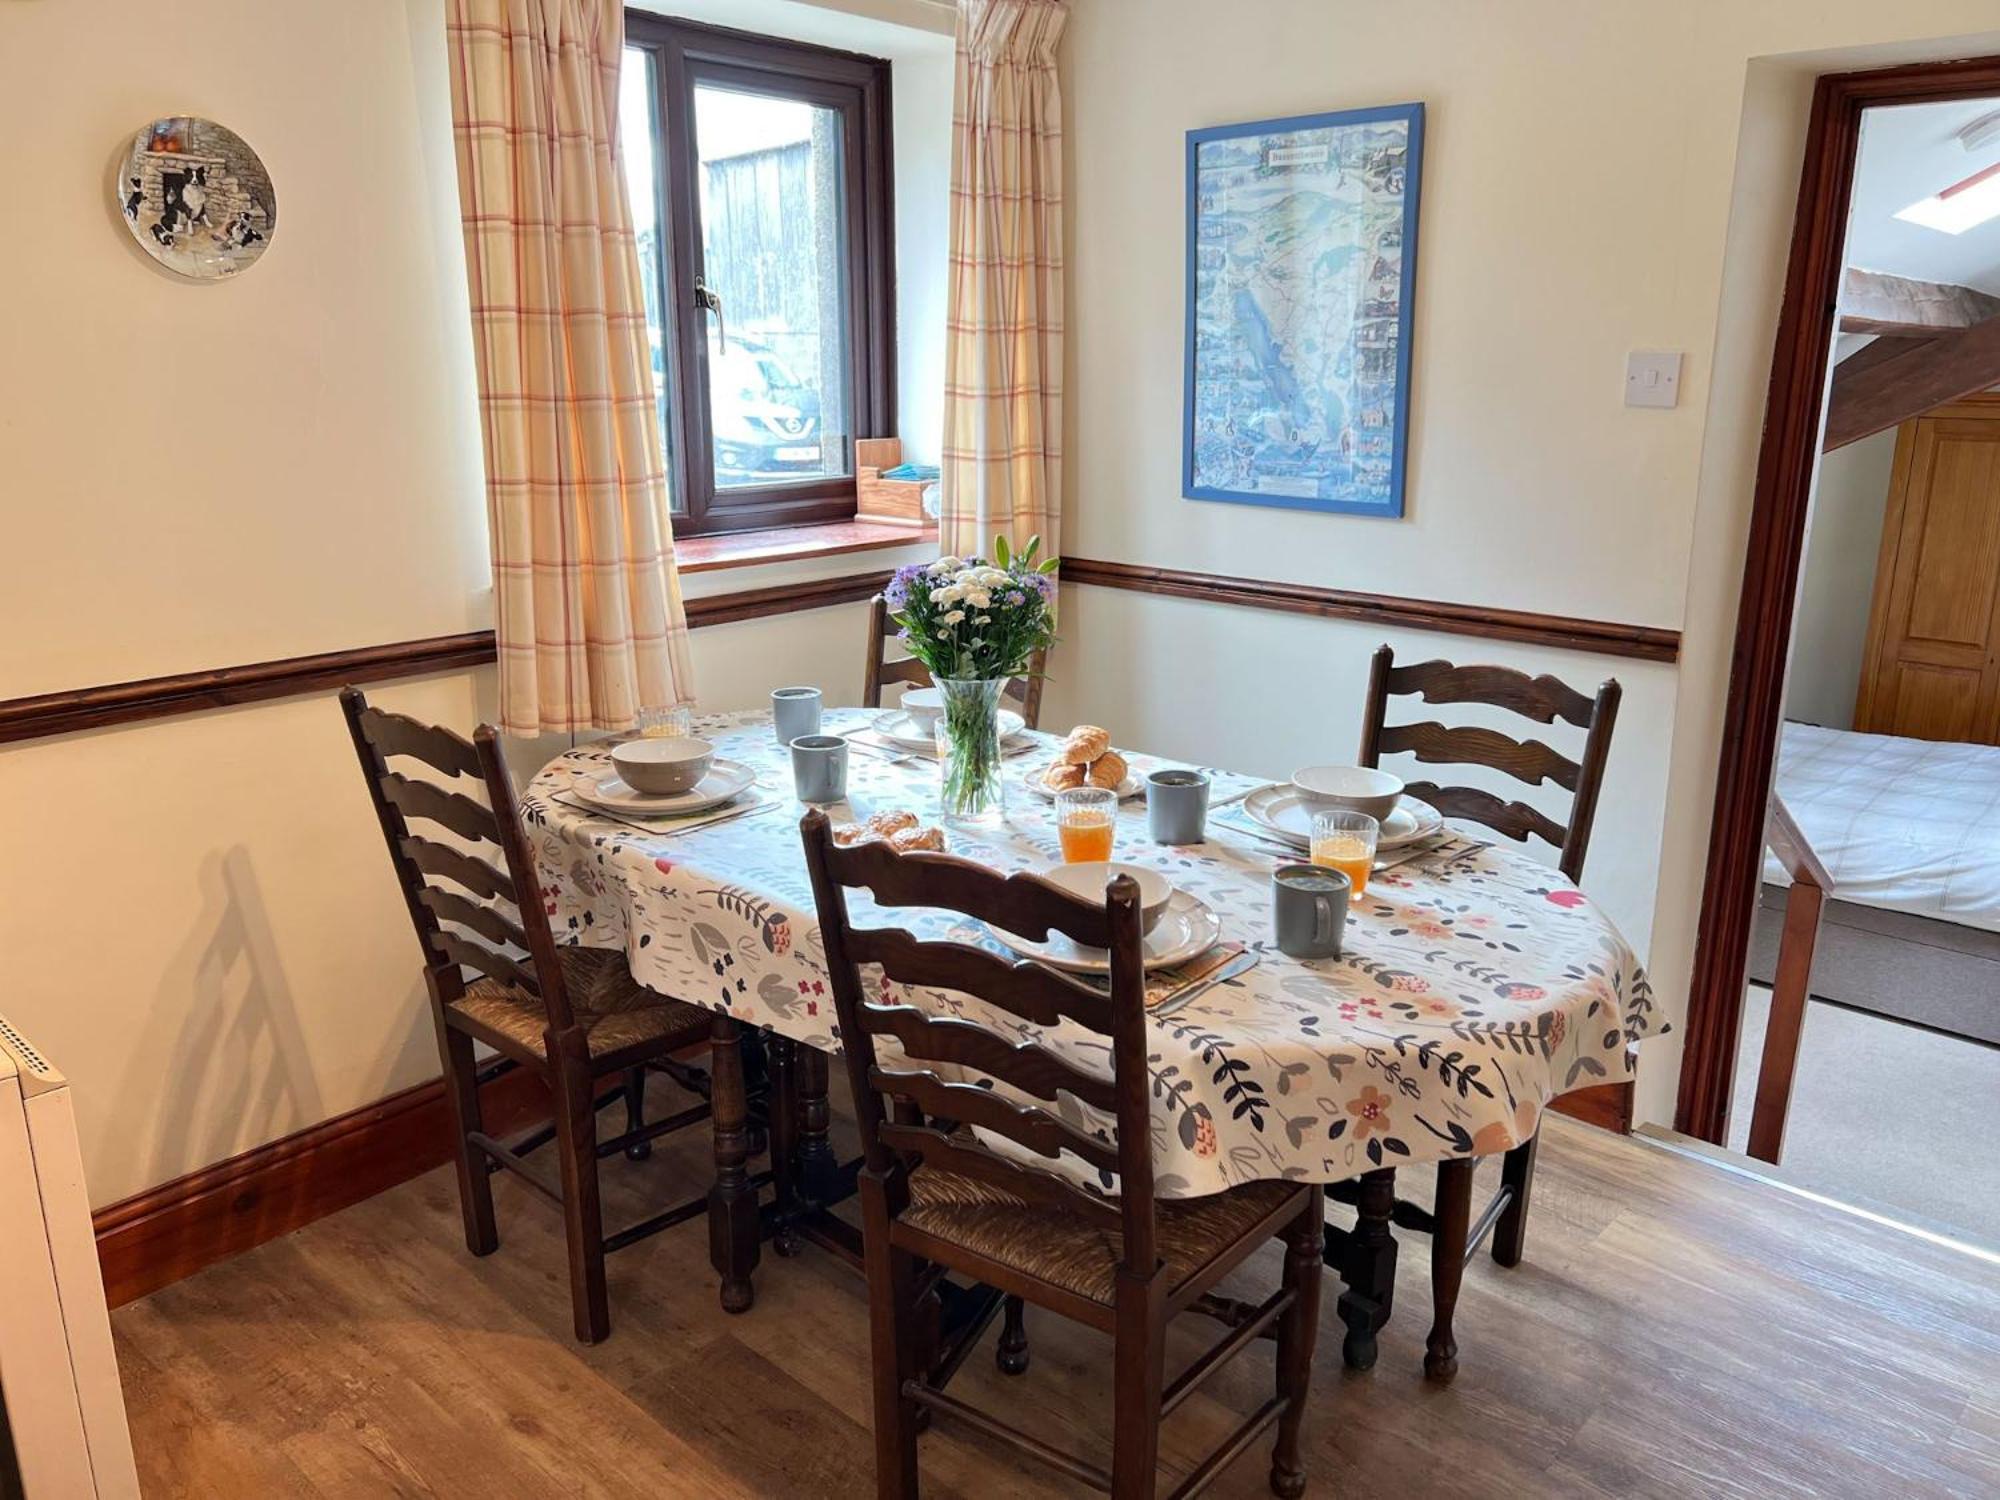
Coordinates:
196	197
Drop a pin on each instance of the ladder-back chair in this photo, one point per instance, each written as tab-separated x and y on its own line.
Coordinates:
1542	700
935	1198
571	1015
1022	694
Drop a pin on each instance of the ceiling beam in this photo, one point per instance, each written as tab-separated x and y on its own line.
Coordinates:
1899	307
1889	382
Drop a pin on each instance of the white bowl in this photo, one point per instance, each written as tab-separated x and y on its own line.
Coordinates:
924	705
662	768
1089	878
1354	788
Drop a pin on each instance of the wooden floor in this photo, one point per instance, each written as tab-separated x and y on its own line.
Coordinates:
1674	1330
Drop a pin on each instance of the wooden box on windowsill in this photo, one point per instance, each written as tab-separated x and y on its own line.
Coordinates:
898	501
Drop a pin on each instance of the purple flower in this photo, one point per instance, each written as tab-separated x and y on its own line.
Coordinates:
1015	596
898	592
1044	585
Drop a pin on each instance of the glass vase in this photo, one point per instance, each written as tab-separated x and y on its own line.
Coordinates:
968	745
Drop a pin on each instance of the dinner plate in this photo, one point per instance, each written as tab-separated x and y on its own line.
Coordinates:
610	791
1282	809
895	725
1031	778
1190	927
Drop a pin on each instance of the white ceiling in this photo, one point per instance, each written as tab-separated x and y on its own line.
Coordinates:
1907	153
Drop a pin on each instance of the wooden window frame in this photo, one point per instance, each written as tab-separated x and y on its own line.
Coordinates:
685	54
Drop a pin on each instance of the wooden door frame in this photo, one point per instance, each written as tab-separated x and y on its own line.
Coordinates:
1785	468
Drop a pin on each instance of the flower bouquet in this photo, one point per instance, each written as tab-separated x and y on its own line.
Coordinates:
974	624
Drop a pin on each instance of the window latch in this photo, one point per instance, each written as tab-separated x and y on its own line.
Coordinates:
708	301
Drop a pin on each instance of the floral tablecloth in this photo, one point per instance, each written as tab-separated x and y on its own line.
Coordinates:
1467	995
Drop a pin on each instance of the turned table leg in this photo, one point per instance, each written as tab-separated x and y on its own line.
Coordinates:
819	1168
732	1201
1366	1261
781	1062
1453	1214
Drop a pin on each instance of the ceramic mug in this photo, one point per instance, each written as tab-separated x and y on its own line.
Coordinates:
1308	910
819	767
794	712
1176	806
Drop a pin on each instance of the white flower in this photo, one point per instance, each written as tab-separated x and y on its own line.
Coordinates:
979	598
983	620
950	594
954	617
945	565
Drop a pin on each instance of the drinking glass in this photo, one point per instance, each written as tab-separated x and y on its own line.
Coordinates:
673	722
1345	841
1084	816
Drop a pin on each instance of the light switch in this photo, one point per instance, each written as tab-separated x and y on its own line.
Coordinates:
1652	378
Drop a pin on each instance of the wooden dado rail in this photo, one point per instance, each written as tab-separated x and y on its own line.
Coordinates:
191	692
1644	642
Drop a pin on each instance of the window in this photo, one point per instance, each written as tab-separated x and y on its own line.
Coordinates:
759	177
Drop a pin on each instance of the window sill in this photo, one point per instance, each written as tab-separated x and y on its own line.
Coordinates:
749	549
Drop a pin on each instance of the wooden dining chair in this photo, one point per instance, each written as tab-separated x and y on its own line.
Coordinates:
1455	1236
936	1198
1023	694
573	1016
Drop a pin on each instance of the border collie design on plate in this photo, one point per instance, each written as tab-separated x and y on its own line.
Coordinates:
1301	259
196	197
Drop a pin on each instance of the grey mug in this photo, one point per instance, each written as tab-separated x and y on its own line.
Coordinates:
1176	806
819	767
794	711
1308	910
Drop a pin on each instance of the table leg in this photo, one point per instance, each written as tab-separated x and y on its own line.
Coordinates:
783	1113
1366	1260
819	1169
732	1201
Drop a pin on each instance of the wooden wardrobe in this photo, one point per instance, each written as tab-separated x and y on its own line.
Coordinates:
1932	666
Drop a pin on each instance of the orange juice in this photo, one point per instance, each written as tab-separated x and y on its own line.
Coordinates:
1085	838
1348	853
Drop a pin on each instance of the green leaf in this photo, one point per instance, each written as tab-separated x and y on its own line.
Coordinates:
1001	556
1034	546
1050	566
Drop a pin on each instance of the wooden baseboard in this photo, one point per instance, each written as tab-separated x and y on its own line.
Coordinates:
171	1231
1608	1106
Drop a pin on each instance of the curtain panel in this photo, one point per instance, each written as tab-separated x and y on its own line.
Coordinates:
587	602
1002	447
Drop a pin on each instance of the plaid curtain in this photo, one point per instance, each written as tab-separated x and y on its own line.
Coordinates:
1004	331
587	602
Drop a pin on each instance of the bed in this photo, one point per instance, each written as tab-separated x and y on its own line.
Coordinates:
1909	830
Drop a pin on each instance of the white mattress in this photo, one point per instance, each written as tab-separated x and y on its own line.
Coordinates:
1905	825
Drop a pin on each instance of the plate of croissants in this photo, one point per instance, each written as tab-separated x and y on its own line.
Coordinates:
902	831
1085	758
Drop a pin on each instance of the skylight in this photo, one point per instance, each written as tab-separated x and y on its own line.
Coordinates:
1962	206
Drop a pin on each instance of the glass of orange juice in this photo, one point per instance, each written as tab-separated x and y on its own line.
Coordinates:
1084	817
1345	841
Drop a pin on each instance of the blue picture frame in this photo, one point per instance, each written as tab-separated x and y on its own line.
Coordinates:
1294	469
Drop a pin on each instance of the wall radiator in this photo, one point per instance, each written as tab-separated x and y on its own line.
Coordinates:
64	1415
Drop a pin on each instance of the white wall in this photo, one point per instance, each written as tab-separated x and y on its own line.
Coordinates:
1586	168
1843	543
200	924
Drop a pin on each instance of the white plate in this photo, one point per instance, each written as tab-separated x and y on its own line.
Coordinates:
1189	929
610	791
1031	778
1280	808
895	725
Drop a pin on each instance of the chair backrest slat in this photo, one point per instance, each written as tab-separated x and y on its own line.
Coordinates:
1470	744
1029	990
487	921
468	870
1037	1129
1544	699
969	1160
1032	908
1025	693
1028	1066
479	932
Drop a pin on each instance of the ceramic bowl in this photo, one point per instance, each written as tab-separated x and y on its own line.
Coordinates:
662	768
1089	878
1352	788
924	706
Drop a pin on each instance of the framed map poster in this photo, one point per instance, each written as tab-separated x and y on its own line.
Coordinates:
1301	261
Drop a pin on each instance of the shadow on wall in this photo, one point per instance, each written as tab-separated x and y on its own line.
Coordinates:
239	1069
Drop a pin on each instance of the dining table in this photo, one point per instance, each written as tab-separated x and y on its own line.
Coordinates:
1475	983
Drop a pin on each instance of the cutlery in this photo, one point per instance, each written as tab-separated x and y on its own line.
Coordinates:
881	752
1243	963
687	825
